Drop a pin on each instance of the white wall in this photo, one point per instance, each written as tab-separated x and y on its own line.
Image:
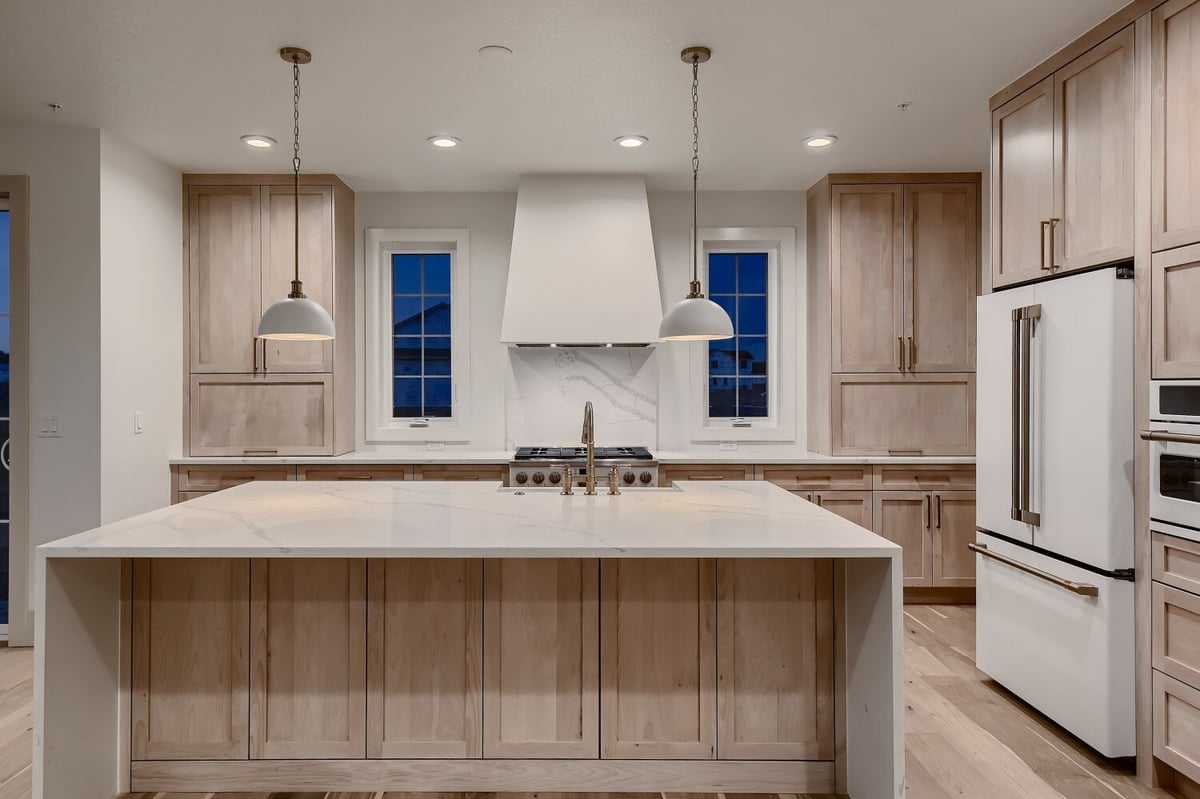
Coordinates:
489	216
141	328
63	166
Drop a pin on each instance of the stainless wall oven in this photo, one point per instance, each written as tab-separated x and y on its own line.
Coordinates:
1174	437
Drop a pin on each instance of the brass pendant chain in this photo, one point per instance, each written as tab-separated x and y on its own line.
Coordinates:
297	290
695	292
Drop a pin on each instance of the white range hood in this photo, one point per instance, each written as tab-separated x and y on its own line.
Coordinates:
582	270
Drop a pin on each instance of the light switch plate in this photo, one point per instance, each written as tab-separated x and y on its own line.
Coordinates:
49	426
137	423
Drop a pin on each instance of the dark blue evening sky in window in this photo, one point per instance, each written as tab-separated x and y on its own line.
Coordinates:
421	384
737	367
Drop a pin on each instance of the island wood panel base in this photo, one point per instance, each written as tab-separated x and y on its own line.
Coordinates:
675	776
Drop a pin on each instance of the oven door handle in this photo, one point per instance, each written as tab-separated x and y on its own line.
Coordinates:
1164	435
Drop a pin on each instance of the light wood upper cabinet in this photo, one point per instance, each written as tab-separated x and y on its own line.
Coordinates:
190	647
316	268
953	529
941	264
902	517
424	658
775	696
1175	313
658	659
1094	115
1175	104
867	275
224	292
307	658
254	415
541	658
1022	184
915	415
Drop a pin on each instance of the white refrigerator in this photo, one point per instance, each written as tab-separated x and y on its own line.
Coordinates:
1054	547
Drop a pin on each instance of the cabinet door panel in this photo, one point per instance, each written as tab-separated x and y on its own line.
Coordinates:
915	415
424	651
1022	184
253	414
1093	156
224	300
1175	313
903	518
854	506
190	668
867	274
307	658
953	529
1176	123
658	659
775	659
541	658
941	253
316	268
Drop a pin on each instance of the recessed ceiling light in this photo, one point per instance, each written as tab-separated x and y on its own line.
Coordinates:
495	51
444	142
817	142
255	140
631	141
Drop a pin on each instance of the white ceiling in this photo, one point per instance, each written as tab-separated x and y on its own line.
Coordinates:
183	79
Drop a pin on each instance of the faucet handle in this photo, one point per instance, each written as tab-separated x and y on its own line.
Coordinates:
568	480
614	479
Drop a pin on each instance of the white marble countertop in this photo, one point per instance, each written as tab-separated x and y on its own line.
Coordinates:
376	456
468	519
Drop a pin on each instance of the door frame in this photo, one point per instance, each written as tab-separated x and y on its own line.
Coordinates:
14	189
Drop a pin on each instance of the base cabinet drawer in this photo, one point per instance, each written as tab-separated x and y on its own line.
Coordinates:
256	415
1176	633
1177	725
1175	561
669	474
488	473
347	473
215	478
916	415
801	478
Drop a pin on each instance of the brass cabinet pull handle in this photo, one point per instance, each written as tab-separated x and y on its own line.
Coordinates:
937	510
355	477
264	358
1042	242
254	349
912	354
707	477
817	497
260	452
1053	224
925	510
1083	589
905	451
900	352
1174	438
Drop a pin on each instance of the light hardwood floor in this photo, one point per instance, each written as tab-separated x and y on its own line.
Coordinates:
966	736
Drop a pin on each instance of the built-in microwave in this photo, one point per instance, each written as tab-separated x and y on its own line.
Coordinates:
1175	455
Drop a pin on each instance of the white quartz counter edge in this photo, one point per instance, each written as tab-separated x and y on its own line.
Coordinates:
438	519
374	458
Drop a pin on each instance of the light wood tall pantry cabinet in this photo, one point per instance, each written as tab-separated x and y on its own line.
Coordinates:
1175	123
316	659
1062	168
243	393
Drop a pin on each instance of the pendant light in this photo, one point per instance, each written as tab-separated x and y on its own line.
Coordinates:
296	318
695	318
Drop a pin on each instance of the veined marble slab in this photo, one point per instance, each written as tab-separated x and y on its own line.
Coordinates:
468	519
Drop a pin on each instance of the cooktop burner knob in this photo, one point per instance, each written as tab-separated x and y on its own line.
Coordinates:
539	478
522	478
555	478
646	477
629	477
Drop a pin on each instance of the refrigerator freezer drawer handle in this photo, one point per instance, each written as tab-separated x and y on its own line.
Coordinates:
1083	589
1174	438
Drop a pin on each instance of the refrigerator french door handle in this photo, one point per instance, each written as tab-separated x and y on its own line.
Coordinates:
1022	450
1083	589
1015	510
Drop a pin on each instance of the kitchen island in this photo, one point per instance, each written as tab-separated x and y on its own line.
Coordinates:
424	636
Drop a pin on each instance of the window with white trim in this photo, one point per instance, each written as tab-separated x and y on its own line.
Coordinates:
747	383
416	334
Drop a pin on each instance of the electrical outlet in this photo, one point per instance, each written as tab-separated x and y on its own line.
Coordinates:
729	446
435	446
50	426
137	423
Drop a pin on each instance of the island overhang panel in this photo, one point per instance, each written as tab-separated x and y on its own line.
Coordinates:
464	637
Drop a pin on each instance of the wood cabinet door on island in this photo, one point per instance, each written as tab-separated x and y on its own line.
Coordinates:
541	658
307	658
424	658
190	648
658	659
775	659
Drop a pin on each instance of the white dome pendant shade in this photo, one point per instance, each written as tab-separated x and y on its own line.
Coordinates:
695	318
296	318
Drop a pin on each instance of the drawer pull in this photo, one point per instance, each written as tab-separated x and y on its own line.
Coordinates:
1083	589
356	477
260	452
1174	438
905	451
706	477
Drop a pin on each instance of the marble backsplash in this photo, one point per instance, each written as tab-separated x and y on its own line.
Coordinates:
547	387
